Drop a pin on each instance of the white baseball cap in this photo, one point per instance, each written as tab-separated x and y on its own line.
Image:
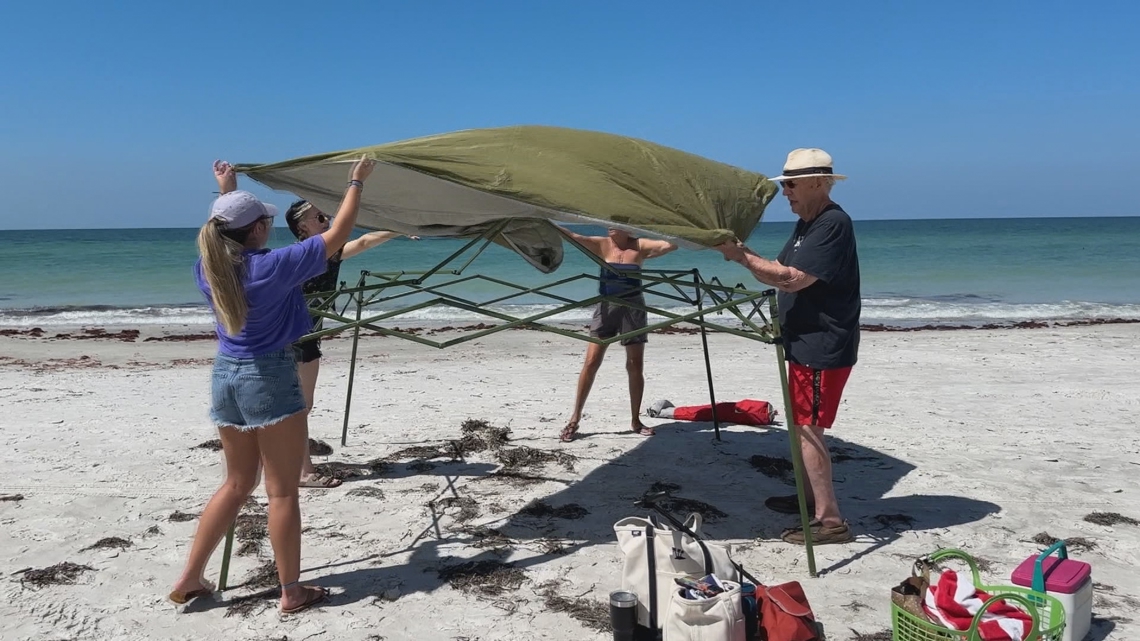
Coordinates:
239	209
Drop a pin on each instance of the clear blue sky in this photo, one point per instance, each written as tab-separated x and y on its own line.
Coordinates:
111	113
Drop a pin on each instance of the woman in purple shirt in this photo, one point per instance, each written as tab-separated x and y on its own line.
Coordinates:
256	400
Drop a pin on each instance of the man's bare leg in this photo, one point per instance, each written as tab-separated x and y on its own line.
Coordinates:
594	355
635	368
817	465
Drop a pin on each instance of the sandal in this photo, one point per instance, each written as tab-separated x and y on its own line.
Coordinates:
182	598
569	432
316	595
320	481
820	534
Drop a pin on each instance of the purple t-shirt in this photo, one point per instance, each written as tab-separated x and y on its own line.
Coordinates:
278	315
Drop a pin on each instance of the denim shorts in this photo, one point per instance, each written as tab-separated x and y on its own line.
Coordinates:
248	393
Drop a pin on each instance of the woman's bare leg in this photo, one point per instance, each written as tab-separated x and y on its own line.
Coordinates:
308	373
282	446
242	456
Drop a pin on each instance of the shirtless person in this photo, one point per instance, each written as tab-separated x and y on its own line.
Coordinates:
622	252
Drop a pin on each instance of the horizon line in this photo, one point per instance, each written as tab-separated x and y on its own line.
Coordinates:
790	220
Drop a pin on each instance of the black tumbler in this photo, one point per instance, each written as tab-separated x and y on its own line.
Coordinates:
623	614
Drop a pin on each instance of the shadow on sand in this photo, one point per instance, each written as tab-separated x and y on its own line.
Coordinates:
725	480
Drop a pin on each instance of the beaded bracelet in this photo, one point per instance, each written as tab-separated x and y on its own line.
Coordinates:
356	183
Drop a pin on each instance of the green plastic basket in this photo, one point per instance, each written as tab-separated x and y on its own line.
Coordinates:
1047	612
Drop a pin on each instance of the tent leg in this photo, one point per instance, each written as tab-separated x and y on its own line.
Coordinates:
794	437
352	363
705	347
226	553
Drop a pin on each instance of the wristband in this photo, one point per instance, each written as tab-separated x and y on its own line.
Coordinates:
356	183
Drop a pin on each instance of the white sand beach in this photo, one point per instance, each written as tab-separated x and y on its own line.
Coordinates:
979	440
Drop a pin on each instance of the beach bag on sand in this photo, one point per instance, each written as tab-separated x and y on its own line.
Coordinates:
656	554
785	614
719	618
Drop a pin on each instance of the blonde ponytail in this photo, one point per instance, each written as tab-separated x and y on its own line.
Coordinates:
221	262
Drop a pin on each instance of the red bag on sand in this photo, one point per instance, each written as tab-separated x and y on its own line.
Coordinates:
785	614
746	412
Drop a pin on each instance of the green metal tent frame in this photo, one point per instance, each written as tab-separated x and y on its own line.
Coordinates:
374	288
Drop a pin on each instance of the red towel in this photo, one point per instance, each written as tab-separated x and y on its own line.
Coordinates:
955	604
746	412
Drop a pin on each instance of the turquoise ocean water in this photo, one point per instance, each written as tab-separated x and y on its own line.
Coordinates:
969	271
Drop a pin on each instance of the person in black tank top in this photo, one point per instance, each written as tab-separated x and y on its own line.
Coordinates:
305	220
819	304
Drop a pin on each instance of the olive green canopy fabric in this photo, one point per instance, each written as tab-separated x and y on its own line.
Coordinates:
463	184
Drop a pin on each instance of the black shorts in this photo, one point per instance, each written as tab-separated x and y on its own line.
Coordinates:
307	351
611	319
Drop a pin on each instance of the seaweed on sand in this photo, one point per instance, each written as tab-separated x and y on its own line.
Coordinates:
489	578
541	509
528	457
110	542
59	574
590	613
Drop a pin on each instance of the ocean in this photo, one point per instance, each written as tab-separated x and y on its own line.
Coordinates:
915	272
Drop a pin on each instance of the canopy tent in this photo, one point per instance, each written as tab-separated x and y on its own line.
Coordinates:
509	186
465	183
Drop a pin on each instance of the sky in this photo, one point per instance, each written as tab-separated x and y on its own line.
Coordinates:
112	113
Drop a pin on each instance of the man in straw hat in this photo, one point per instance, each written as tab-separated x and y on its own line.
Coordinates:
817	275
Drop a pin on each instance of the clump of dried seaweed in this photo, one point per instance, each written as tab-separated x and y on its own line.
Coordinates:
487	577
521	457
1110	519
251	530
367	492
772	467
212	445
541	509
591	614
59	574
109	543
1076	543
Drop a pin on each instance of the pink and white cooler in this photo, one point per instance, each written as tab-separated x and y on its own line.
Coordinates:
1067	580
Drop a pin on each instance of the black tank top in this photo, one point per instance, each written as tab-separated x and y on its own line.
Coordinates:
611	284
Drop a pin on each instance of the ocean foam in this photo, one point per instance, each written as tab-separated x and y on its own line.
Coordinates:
890	311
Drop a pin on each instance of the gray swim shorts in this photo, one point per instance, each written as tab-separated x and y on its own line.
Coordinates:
611	319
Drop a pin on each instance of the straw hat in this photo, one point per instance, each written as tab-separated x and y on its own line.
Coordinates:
807	163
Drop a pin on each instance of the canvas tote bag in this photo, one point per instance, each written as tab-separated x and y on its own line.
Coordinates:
655	554
720	618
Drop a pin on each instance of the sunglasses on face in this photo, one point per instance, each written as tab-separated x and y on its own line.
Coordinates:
790	184
322	218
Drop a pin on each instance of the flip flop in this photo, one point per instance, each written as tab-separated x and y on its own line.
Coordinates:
321	595
568	432
318	481
182	598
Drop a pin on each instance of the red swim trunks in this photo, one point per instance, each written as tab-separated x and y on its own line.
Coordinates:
816	393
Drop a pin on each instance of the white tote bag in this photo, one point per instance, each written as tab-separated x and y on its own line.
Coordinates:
655	554
720	618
